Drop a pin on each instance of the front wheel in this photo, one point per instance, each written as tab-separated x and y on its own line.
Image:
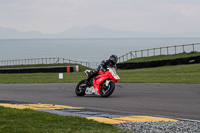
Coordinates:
106	91
80	90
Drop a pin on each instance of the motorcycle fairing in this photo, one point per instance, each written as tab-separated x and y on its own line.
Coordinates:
101	78
98	80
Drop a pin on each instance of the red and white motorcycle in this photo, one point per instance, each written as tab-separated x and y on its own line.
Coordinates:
103	84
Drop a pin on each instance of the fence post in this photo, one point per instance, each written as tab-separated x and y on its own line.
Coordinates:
141	53
131	55
136	54
154	52
175	49
160	51
193	47
147	52
167	51
183	49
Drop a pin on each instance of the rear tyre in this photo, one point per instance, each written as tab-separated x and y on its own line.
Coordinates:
80	90
106	91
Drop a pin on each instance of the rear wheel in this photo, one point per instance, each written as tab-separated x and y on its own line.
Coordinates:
80	88
106	91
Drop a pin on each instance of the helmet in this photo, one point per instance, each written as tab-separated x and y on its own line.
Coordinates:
113	59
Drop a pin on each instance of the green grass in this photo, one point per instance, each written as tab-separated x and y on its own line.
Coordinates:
169	74
189	74
41	78
31	121
163	57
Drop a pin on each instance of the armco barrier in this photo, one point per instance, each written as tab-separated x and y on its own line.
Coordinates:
63	69
179	61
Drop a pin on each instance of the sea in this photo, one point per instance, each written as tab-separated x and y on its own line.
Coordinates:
88	50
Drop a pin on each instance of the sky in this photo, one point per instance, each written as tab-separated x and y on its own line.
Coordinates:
54	16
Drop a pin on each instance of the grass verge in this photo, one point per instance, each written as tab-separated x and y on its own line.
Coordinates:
41	78
163	57
31	121
169	74
189	74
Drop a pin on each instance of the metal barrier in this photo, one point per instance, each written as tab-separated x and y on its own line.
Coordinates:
159	51
60	69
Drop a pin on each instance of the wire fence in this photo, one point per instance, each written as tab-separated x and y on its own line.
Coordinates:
33	61
160	51
133	54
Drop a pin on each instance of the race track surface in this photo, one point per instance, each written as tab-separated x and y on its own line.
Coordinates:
171	100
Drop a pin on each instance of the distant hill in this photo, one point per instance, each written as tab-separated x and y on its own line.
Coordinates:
8	33
93	31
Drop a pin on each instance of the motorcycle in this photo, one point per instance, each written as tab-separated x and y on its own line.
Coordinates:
103	84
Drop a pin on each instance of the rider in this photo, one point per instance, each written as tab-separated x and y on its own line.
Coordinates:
112	61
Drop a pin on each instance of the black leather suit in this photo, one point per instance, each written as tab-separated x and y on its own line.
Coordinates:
102	67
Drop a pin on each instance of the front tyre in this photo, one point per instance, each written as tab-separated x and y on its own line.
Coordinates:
80	90
106	91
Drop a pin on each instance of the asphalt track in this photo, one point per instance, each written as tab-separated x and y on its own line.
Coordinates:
170	100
